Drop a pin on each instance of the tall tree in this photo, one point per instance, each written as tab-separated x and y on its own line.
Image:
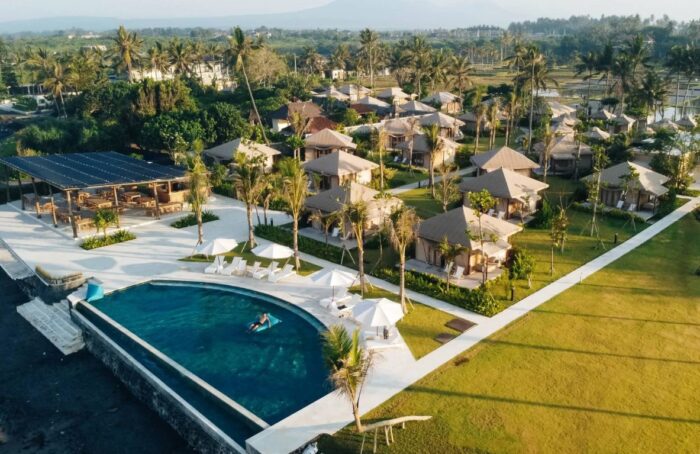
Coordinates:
448	191
449	253
587	65
493	116
198	179
294	189
126	51
480	118
369	51
403	223
480	203
56	81
248	180
558	235
354	216
435	144
461	68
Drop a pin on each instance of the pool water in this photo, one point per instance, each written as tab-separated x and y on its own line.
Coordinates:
203	328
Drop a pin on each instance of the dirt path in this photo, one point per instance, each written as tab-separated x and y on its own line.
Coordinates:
55	404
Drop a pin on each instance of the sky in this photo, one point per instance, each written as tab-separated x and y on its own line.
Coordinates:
138	9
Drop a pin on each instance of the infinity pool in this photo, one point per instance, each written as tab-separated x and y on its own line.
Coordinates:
202	327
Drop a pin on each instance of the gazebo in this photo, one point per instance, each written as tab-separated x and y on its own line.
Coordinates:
76	174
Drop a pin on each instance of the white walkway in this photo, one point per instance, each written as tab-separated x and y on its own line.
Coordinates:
332	413
424	183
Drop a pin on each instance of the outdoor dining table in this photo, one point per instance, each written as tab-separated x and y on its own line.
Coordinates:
147	202
96	202
131	196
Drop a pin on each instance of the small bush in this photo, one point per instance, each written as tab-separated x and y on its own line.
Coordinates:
543	217
284	236
611	213
120	236
226	189
191	219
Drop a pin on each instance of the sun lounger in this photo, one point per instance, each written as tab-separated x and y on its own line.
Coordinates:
338	299
620	204
458	272
284	273
335	232
254	269
265	271
491	212
344	309
447	268
241	269
397	158
632	207
501	215
216	267
230	269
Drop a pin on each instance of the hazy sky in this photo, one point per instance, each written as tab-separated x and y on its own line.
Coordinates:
130	9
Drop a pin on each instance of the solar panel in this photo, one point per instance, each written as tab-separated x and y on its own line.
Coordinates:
96	169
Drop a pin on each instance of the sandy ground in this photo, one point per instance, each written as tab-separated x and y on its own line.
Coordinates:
55	404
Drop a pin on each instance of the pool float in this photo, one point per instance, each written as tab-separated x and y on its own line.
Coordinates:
273	321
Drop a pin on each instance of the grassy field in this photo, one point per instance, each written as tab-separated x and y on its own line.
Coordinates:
420	199
420	326
8	147
611	365
306	267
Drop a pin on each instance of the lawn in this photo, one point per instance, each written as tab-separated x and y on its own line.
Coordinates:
420	199
610	365
8	147
483	142
244	252
420	326
403	177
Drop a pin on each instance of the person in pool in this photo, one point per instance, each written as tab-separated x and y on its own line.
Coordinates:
262	319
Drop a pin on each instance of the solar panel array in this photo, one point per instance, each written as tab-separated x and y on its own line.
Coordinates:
95	169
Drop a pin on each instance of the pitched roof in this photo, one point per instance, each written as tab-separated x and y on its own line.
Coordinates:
566	147
305	109
687	122
665	123
354	90
454	224
625	120
597	134
227	151
370	101
399	126
420	144
648	180
504	184
339	163
334	93
440	97
333	199
315	125
603	115
559	109
328	138
417	107
503	157
393	92
441	119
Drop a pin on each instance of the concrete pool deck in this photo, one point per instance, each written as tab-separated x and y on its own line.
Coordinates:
155	254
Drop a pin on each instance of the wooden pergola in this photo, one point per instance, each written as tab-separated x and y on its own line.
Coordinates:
83	171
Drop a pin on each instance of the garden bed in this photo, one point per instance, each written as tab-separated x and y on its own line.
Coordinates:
120	236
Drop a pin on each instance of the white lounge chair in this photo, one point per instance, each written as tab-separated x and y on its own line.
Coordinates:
620	204
339	298
632	207
265	271
458	273
491	212
447	268
344	308
216	267
254	269
284	273
231	268
397	158
501	215
404	161
335	232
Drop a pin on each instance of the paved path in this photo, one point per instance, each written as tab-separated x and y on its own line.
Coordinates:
424	183
332	413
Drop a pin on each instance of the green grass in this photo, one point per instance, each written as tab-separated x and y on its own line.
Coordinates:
8	147
306	267
404	177
610	365
420	326
420	199
483	142
561	190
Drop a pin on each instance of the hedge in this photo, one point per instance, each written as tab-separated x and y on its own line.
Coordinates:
119	236
310	246
614	213
191	219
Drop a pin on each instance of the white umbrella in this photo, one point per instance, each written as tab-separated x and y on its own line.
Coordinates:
333	278
217	246
376	313
273	251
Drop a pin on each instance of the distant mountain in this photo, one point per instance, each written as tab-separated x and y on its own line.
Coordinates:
339	14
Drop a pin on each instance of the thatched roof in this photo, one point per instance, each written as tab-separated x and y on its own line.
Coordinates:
687	122
333	200
504	184
305	109
227	151
339	163
454	224
647	180
399	126
370	101
328	138
504	157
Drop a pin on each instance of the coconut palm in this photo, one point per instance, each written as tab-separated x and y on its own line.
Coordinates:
480	116
604	64
493	117
126	51
399	63
56	81
418	53
676	64
157	59
353	217
239	48
547	142
348	363
248	181
294	189
181	57
440	68
435	144
340	57
449	253
510	110
481	203
528	61
299	126
558	235
198	179
622	72
40	62
380	137
311	61
448	191
369	51
587	65
402	227
461	72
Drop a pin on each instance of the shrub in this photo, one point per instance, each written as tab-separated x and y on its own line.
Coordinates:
611	213
226	189
284	236
543	217
191	219
119	236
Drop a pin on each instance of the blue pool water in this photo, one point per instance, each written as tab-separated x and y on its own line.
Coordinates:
202	327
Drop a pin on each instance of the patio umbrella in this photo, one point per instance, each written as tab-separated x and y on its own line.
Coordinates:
217	246
376	313
273	251
333	278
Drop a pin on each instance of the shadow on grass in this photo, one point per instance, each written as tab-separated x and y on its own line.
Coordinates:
615	317
510	400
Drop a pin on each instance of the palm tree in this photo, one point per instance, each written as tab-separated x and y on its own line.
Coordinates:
157	59
449	253
340	57
439	68
547	141
402	227
294	189
526	61
652	91
369	50
198	179
56	81
248	180
481	203
587	64
311	61
558	235
510	108
448	191
40	61
435	144
418	53
354	216
622	70
239	48
479	114
604	64
381	137
399	63
493	117
349	365
540	81
181	57
126	51
676	64
299	125
461	72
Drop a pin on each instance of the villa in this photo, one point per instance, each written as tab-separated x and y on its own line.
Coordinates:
504	157
394	95
516	194
328	202
281	117
332	93
624	123
326	142
563	156
399	130
226	152
445	101
338	168
449	126
415	108
469	120
604	115
354	92
597	134
418	151
368	104
641	193
453	226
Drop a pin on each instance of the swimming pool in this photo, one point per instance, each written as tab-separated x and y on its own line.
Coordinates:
202	327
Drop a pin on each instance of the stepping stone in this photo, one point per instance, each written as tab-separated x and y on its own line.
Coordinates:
459	324
444	338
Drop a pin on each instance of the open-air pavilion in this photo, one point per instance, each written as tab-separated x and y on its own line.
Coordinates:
81	183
